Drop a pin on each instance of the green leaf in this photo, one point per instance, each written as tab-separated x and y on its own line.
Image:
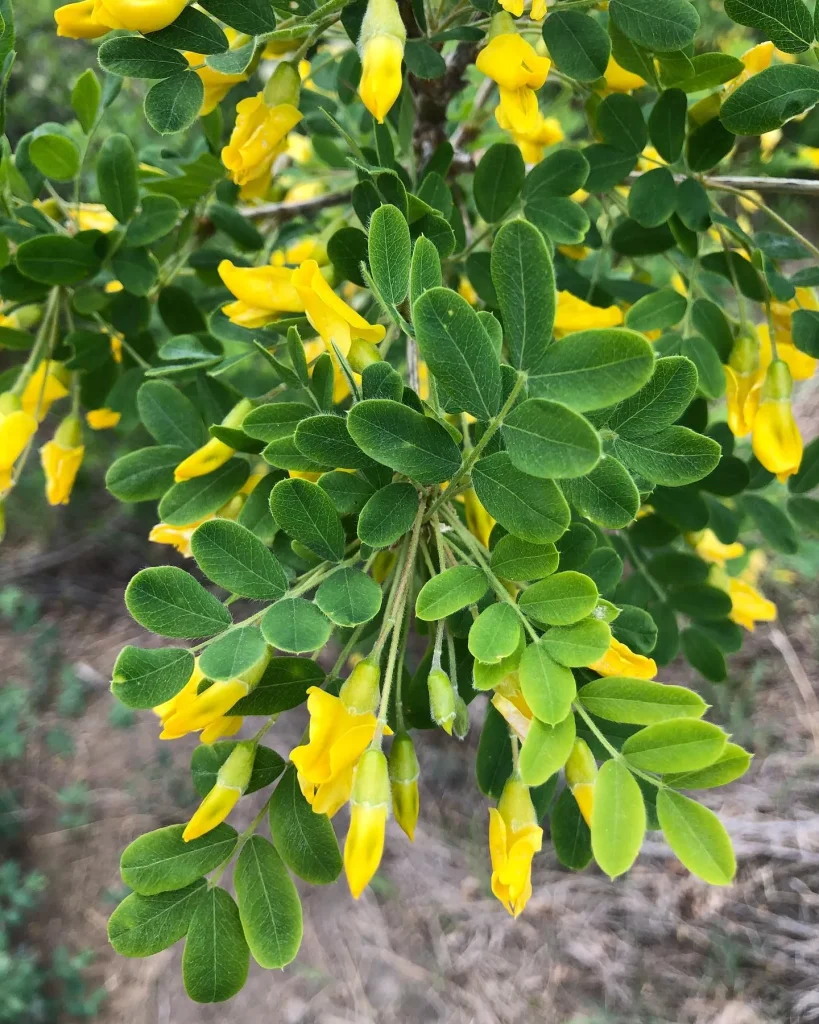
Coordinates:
305	840
56	260
137	270
277	420
673	456
296	625
284	685
233	654
449	591
772	523
708	144
169	416
117	177
805	331
161	861
349	597
326	440
697	837
570	833
425	269
667	124
700	601
388	515
563	220
703	654
733	265
156	218
769	99
804	512
578	45
208	758
349	492
520	561
493	764
657	311
560	599
808	476
305	512
618	819
787	23
85	99
547	687
607	496
191	500
531	509
168	601
389	251
347	250
458	351
524	280
607	166
660	25
235	559
545	750
216	957
404	440
658	403
546	439
732	764
495	634
560	173
422	60
269	905
639	701
253	17
137	57
173	104
144	925
55	156
192	30
498	180
709	71
621	124
380	380
682	745
144	678
578	645
652	200
145	474
592	369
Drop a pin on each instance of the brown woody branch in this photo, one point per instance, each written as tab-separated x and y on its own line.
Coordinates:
781	186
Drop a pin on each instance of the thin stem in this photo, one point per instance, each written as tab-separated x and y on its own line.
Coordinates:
243	838
41	342
615	753
748	195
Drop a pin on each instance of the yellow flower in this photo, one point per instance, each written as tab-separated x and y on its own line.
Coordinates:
466	291
478	520
404	772
178	537
139	15
93	217
513	708
547	132
217	85
748	606
381	46
213	453
369	806
263	294
221	728
303	191
299	148
340	730
16	430
304	249
79	21
102	419
581	773
620	80
574	252
575	314
711	549
259	136
61	459
330	316
514	838
43	388
757	59
776	440
184	697
743	379
620	660
517	69
231	782
801	365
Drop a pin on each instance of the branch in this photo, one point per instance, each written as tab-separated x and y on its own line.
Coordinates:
784	186
287	211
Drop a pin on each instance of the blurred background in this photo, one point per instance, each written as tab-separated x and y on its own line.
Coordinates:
82	776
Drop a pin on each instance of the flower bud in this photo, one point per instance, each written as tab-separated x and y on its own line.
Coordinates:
441	700
404	772
381	46
61	459
362	354
283	86
231	781
79	21
368	819
460	726
581	772
139	15
777	442
360	692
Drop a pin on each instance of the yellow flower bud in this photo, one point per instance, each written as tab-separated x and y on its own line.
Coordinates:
17	428
441	700
139	15
776	440
362	354
620	660
44	387
231	782
711	549
381	46
743	375
214	453
260	135
102	419
581	773
370	803
61	459
79	21
514	838
360	692
404	772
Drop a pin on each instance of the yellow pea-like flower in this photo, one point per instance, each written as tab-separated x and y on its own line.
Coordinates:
757	59
231	781
620	660
381	46
547	131
748	606
369	807
574	314
61	459
213	453
43	388
581	773
79	21
776	440
514	838
102	418
263	294
179	537
139	15
620	80
404	772
95	217
184	697
221	728
17	428
330	316
478	520
743	378
217	85
710	548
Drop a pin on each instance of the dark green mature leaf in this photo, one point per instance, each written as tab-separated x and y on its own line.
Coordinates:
404	440
157	217
325	439
667	124
235	559
252	17
498	180
458	351
269	906
423	61
520	561
769	99
449	591
570	833
208	758
673	456
388	515
657	310
559	174
708	144
607	166
618	819
493	763
144	925
524	279
661	25
305	840
296	625
660	402
192	500
531	509
170	602
161	861
772	523
137	57
390	252
425	270
174	103
192	30
233	654
284	685
787	23
56	260
549	440
349	597
304	511
564	221
143	679
710	70
216	956
145	474
607	496
117	179
621	124
169	417
578	44
653	198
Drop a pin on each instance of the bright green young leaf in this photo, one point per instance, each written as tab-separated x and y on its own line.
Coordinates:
618	819
578	645
545	750
732	764
683	745
547	686
560	599
639	701
495	634
697	837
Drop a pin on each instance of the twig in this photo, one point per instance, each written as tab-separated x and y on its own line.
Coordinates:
287	211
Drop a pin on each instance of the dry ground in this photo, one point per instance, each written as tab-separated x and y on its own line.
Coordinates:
428	942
